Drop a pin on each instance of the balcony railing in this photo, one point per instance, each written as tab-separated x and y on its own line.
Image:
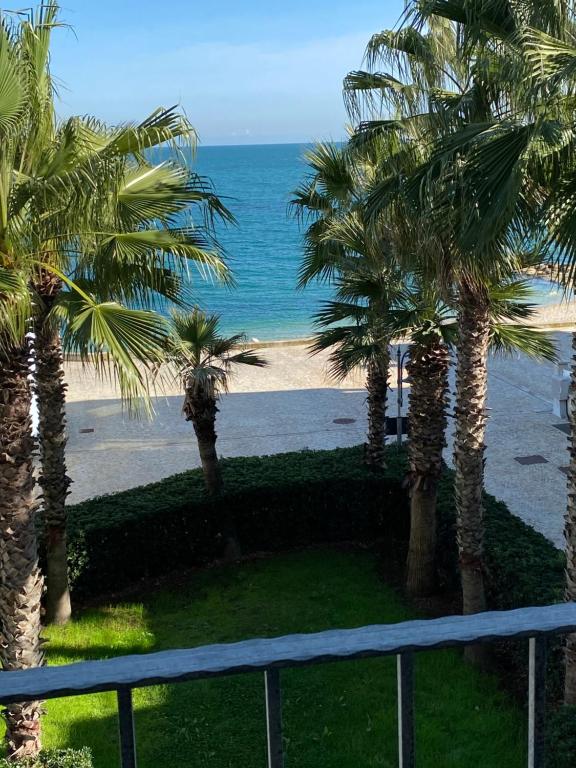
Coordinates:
270	656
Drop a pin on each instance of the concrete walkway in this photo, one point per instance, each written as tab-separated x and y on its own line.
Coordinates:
521	423
293	405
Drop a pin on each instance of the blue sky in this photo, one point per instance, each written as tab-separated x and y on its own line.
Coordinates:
245	72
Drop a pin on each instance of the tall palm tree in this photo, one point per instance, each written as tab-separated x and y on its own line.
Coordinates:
442	90
517	169
151	234
451	87
522	167
22	121
51	205
343	249
204	360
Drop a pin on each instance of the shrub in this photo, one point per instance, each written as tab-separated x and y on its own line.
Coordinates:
280	501
561	738
288	500
61	758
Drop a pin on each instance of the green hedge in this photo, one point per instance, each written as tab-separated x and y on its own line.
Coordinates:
280	501
523	568
561	739
61	758
288	500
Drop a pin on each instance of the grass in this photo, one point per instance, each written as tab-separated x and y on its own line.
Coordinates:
339	715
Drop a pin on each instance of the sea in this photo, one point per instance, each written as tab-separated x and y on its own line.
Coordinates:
265	249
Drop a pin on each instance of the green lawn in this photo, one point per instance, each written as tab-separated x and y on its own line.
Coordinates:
336	715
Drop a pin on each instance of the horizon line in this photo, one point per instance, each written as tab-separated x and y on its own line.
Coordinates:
201	145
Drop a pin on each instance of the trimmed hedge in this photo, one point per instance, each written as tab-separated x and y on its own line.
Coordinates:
561	738
289	500
280	501
61	758
523	568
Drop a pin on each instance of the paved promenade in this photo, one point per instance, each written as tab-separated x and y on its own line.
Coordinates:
294	405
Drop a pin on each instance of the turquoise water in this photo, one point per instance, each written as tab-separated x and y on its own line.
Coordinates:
265	249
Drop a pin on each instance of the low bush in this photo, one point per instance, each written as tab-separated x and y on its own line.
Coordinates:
61	758
289	500
561	738
280	501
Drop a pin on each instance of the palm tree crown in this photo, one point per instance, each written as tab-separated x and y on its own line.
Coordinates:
203	357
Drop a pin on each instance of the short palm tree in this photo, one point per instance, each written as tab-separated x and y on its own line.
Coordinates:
355	328
204	361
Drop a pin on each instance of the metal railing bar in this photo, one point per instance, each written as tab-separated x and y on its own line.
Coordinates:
292	651
126	728
536	701
405	671
274	718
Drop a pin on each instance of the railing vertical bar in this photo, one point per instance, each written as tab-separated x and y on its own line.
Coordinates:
536	701
405	667
126	724
274	718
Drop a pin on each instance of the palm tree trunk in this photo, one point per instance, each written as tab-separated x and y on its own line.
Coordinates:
21	582
50	391
469	447
377	387
428	369
201	410
208	456
570	534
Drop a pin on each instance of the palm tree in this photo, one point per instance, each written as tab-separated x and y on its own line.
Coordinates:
341	248
51	209
204	360
22	121
427	323
426	317
353	328
151	233
446	90
450	89
517	169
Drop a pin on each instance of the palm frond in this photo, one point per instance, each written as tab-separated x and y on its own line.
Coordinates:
508	339
121	341
161	127
12	84
15	308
